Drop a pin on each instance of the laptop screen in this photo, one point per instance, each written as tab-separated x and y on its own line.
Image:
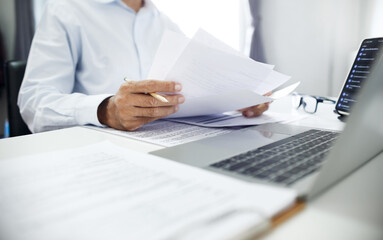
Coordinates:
369	52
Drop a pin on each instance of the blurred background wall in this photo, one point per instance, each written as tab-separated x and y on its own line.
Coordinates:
314	41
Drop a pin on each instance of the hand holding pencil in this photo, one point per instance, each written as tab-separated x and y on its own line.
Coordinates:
155	95
137	103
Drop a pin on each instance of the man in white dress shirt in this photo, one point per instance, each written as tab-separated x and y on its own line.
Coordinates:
80	54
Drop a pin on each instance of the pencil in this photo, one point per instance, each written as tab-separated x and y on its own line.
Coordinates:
155	95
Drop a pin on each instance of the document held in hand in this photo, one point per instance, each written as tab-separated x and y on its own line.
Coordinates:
215	77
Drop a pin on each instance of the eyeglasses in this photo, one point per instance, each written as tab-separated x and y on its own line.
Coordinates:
309	102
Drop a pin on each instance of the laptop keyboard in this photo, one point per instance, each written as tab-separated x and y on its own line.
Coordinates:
284	161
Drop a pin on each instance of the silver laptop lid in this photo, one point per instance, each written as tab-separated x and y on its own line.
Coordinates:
362	138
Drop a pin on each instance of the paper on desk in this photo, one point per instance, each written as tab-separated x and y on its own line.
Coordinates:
168	134
208	73
233	119
103	191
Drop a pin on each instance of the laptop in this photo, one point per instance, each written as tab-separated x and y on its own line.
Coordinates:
305	159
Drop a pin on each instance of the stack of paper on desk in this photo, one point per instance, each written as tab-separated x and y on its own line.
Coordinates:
215	78
103	191
175	131
232	119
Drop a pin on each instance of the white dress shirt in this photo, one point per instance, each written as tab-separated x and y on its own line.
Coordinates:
80	54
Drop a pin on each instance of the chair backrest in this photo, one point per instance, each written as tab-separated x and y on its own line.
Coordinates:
14	74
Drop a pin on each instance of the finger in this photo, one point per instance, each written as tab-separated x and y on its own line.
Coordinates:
260	109
247	109
144	100
244	109
154	112
148	86
252	107
255	110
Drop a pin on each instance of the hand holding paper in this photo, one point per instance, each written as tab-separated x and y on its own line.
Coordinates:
215	77
135	105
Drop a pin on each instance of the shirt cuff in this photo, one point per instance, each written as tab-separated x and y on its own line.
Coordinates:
86	110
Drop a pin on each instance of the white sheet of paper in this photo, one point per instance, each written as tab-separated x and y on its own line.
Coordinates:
102	191
206	38
216	104
219	103
168	134
173	44
274	80
169	50
215	77
285	91
204	71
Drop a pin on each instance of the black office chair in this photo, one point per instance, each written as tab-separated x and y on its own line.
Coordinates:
14	74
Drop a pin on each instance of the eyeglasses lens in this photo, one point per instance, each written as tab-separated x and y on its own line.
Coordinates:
309	104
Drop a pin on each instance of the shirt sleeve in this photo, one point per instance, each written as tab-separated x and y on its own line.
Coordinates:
46	99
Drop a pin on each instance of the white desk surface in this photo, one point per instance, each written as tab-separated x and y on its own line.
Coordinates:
352	209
